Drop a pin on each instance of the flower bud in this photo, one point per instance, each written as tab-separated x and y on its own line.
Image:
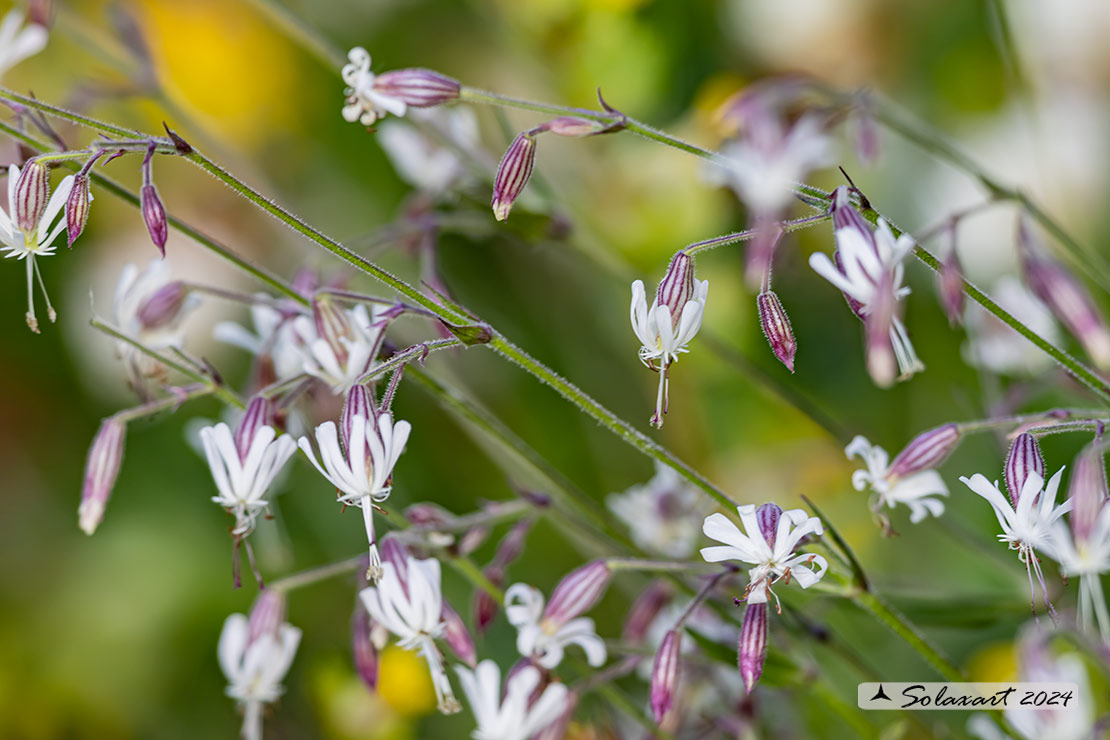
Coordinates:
776	327
420	88
163	309
77	208
101	471
867	135
644	611
664	675
1025	457
427	515
32	190
677	287
927	450
882	365
752	645
512	544
484	607
259	412
472	539
362	648
768	516
357	403
154	214
1087	491
512	174
577	592
457	636
572	126
950	288
267	615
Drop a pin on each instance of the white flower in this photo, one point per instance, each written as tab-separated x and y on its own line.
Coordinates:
1087	556
40	242
772	553
915	491
545	640
516	716
255	668
242	480
365	103
363	473
342	369
664	515
16	44
995	346
431	163
273	336
410	605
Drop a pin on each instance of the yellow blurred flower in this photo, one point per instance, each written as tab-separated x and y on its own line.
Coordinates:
404	683
994	662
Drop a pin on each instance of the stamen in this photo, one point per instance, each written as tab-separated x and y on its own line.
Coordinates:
50	312
32	322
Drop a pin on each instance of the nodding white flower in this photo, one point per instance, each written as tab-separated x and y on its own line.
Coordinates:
17	42
664	515
363	473
38	242
772	535
254	665
1028	527
273	337
365	103
244	468
408	602
544	639
432	162
513	715
995	346
346	358
673	320
892	484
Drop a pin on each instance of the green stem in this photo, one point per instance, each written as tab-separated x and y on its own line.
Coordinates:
172	401
643	565
321	573
740	236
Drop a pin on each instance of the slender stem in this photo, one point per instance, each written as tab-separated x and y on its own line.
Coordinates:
702	595
321	573
740	236
644	565
405	356
177	397
496	513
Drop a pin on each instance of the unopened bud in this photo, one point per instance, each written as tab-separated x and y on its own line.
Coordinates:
484	607
427	515
32	190
768	516
420	88
77	208
267	615
513	174
512	544
357	403
457	636
1087	491
101	471
776	327
664	675
1025	457
472	539
867	135
950	288
259	413
573	126
362	648
882	364
577	592
677	287
154	215
643	612
752	645
163	309
927	450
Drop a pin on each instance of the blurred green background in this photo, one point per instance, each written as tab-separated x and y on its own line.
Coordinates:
114	635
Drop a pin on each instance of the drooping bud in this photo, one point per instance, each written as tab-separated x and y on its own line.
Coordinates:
484	607
577	592
776	327
357	403
1063	293
267	615
1087	491
258	415
333	325
752	645
867	132
644	610
882	364
1025	457
101	471
664	675
927	450
163	309
362	648
154	215
77	208
572	126
950	288
513	174
32	190
420	88
677	287
457	636
472	539
512	544
427	514
768	516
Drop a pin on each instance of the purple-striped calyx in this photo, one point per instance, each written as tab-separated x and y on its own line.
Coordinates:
776	327
664	675
371	97
1024	458
101	470
752	645
513	174
77	208
910	479
32	188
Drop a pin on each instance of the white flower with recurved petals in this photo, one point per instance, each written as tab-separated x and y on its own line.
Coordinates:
242	480
512	715
17	42
255	667
365	102
915	491
545	640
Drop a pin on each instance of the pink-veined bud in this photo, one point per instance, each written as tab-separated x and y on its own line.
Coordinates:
664	675
927	450
154	215
163	309
1025	457
267	615
768	516
573	126
950	288
867	134
882	365
676	289
558	729
101	470
420	88
512	544
1087	491
752	645
259	412
394	551
472	539
644	610
457	636
333	325
32	190
513	174
362	648
577	592
427	514
77	208
845	216
1065	295
484	608
776	327
357	403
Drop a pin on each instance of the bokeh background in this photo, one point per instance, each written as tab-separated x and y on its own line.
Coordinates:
114	635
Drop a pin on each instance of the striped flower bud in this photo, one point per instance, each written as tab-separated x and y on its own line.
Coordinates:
1025	457
420	88
258	415
664	675
573	126
362	647
163	309
357	403
643	612
457	636
267	615
512	174
776	327
950	288
1087	491
577	592
927	450
154	215
101	471
32	190
77	208
752	645
484	608
768	516
677	287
